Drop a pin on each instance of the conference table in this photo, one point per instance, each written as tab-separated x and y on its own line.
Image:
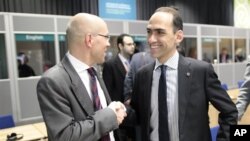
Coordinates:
37	131
233	93
29	132
41	127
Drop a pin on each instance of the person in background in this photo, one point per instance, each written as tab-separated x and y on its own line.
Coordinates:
171	96
181	50
115	70
138	60
224	56
24	70
239	55
243	99
73	98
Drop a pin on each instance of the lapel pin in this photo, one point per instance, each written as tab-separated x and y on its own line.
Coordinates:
188	74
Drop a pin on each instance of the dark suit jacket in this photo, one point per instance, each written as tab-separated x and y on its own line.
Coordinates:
195	92
227	58
113	75
138	60
67	109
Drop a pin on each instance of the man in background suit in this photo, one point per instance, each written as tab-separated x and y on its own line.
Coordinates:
138	60
243	99
224	56
190	85
69	107
115	70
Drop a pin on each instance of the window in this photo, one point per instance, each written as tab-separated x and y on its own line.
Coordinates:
36	51
190	47
225	50
62	45
240	50
209	53
3	59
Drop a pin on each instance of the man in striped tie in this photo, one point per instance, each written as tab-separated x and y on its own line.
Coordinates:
73	98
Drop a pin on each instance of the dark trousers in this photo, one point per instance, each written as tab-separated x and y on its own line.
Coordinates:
126	133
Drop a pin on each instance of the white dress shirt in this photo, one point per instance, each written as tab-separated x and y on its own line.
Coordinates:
81	69
125	62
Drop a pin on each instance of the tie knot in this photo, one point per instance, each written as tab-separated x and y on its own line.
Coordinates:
91	71
163	67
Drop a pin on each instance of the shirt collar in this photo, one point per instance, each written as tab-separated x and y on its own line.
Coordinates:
78	65
172	62
123	59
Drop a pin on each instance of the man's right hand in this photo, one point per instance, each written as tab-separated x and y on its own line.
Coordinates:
119	109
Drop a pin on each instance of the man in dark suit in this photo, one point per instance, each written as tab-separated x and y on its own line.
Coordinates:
138	60
73	99
24	70
224	56
171	96
115	70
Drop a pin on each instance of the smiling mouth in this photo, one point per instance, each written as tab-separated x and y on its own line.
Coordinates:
154	46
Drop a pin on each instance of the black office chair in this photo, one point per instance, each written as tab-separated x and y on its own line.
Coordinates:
6	121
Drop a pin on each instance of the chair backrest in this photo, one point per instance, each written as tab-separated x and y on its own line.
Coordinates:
6	121
214	131
240	82
224	86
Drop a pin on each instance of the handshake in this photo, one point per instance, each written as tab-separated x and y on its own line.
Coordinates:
119	109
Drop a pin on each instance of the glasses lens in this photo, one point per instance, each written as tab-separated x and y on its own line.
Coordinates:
105	36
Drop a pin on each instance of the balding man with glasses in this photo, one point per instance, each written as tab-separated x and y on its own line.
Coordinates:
74	101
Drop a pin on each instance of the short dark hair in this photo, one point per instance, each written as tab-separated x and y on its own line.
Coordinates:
120	39
177	20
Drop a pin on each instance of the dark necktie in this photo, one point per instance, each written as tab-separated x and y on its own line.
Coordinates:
162	106
96	99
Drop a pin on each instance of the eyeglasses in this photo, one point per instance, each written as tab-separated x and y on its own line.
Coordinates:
105	36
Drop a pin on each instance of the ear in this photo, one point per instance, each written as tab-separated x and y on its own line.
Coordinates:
88	40
120	46
179	36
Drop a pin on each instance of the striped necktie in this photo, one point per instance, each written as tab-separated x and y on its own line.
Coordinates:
96	99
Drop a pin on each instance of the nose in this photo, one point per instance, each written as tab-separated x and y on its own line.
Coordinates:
108	43
133	46
151	38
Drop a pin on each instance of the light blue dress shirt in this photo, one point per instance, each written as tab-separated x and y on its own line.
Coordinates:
172	99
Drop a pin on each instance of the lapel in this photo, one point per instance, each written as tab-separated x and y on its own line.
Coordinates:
78	87
147	81
119	65
184	82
